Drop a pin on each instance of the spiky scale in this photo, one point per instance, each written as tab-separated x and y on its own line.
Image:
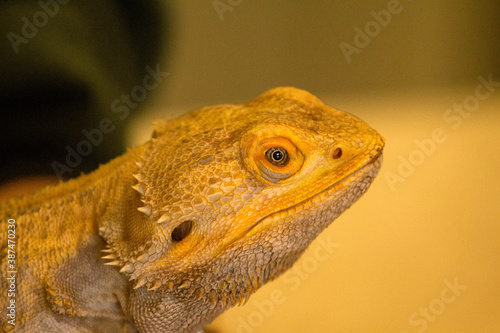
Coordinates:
185	285
199	293
212	297
109	257
127	268
67	303
146	210
139	188
113	263
155	285
140	283
163	219
256	282
223	299
232	287
143	257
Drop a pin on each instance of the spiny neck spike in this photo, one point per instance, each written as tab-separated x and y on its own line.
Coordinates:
163	219
156	285
113	263
170	285
140	283
145	210
223	299
139	188
109	257
143	257
127	268
186	284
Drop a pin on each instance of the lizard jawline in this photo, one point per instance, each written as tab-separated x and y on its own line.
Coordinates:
376	160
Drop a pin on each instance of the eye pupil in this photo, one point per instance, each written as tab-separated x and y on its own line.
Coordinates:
181	231
277	156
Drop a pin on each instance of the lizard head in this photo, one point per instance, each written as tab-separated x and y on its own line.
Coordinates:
230	196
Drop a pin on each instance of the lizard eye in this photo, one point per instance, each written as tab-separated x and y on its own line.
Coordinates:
181	231
277	156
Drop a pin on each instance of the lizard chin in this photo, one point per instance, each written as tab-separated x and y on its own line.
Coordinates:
371	167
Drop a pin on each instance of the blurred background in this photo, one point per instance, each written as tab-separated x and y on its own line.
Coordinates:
418	253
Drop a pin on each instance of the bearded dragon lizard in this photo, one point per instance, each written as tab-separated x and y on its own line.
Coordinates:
217	203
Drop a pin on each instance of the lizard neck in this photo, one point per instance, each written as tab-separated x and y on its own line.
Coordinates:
66	218
109	203
108	193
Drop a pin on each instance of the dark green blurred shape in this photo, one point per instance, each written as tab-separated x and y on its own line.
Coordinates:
62	64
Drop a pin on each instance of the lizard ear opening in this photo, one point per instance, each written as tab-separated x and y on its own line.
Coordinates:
181	231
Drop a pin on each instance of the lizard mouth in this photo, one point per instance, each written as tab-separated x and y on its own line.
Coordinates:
374	162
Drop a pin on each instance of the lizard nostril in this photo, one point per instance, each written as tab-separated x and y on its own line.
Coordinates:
337	153
181	231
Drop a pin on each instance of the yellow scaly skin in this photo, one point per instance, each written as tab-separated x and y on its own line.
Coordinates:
190	223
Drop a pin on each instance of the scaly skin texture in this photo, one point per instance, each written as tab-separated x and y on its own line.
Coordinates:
216	204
